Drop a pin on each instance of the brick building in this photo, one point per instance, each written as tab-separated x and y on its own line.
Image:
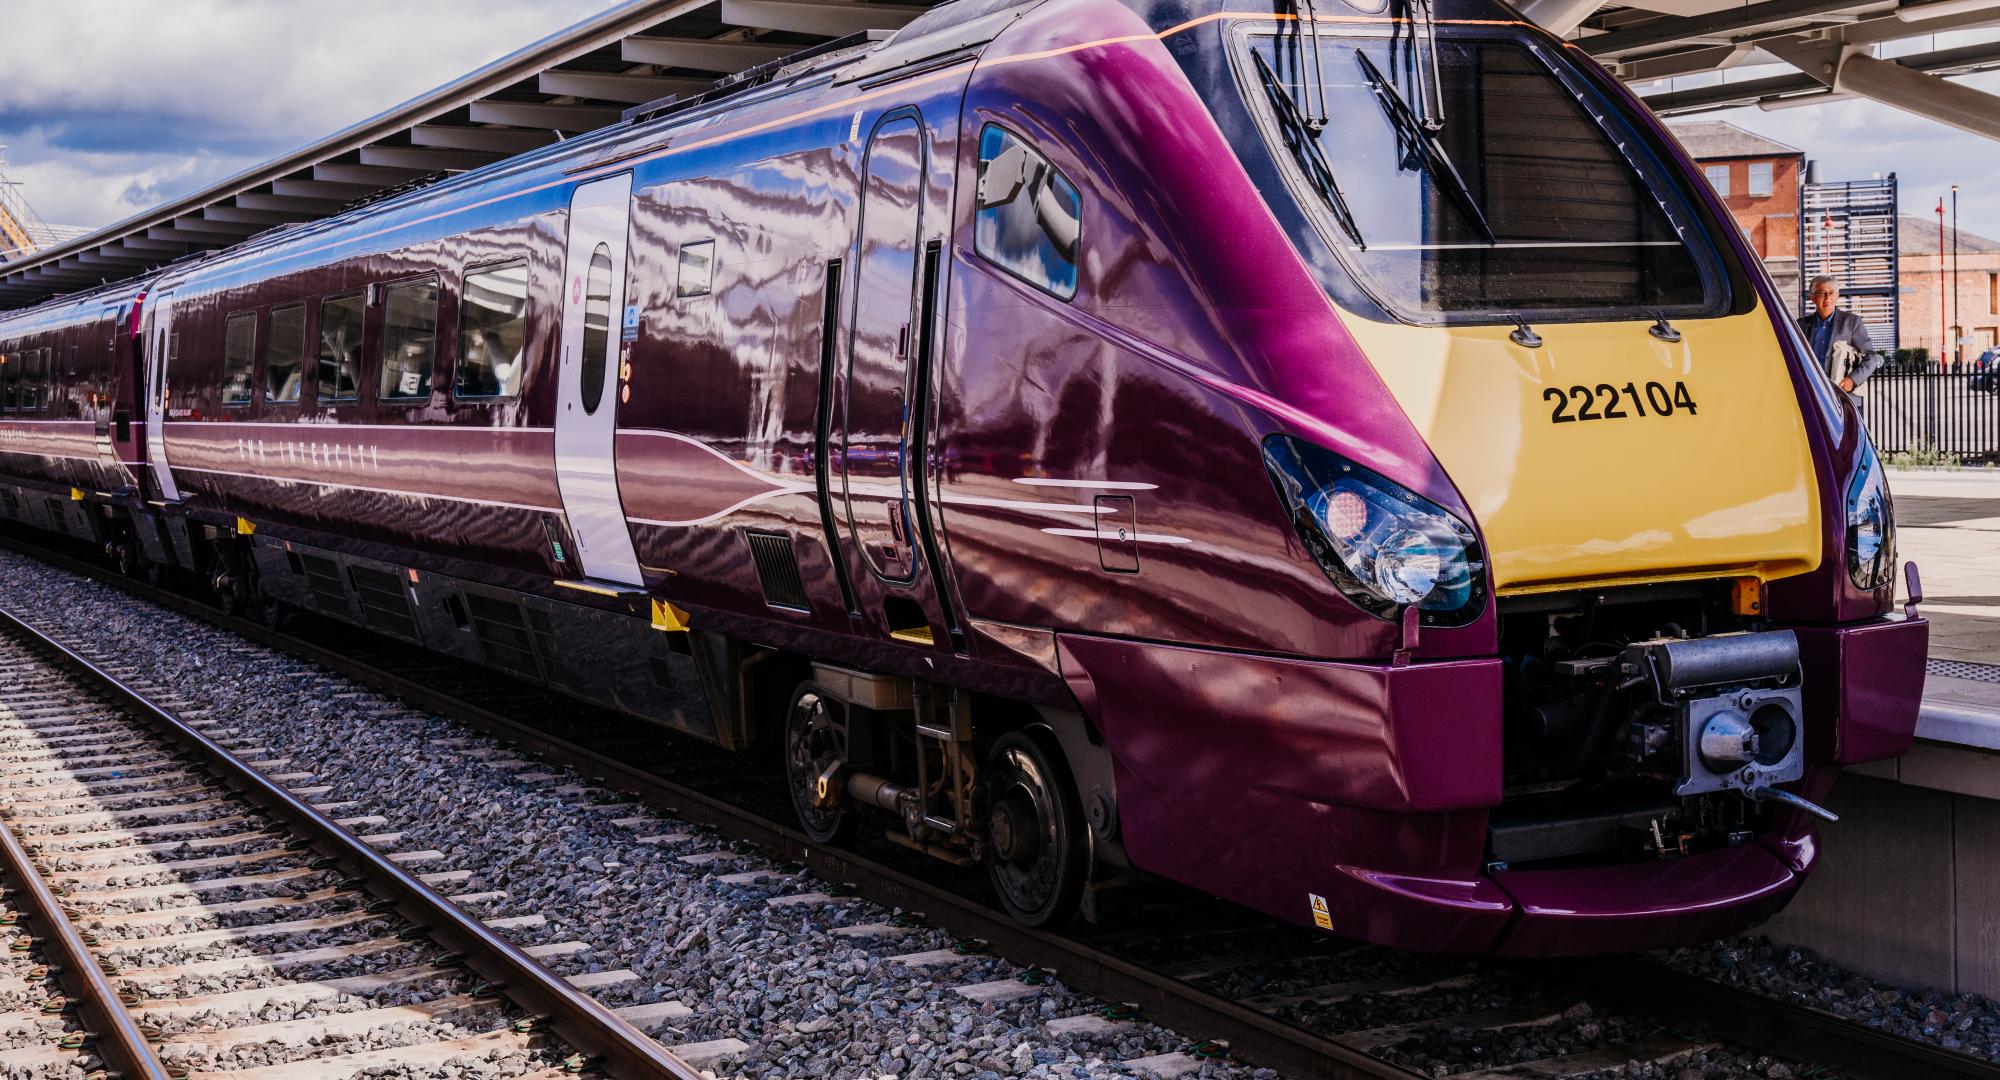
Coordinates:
1925	278
1758	179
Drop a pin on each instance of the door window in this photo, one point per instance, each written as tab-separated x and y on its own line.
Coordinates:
697	269
596	329
173	361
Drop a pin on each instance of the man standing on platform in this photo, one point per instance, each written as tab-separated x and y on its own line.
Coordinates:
1829	328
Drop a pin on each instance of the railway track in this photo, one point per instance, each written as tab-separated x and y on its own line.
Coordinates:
1643	1015
149	851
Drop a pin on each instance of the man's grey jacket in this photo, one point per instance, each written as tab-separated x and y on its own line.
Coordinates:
1848	327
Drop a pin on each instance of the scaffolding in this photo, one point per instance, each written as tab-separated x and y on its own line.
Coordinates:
1850	233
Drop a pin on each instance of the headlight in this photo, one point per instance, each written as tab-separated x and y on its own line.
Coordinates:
1871	524
1382	545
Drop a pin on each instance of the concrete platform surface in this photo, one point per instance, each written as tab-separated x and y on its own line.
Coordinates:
1949	523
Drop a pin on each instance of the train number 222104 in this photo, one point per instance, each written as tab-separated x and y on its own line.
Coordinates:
1603	401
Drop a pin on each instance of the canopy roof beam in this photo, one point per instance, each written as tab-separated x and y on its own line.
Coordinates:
491	140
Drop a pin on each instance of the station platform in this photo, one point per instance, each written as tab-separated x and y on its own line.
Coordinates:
1908	889
1949	522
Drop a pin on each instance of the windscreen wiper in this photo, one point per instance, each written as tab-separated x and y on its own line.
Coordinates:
1305	147
1423	144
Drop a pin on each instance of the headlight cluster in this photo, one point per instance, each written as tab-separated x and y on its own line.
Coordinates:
1382	545
1871	524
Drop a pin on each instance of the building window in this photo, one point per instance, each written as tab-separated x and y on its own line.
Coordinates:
1718	178
1760	177
1993	293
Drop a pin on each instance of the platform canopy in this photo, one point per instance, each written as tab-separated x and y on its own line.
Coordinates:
1781	53
644	50
573	81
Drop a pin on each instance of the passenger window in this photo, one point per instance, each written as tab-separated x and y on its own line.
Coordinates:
9	361
239	340
697	269
35	381
17	381
409	341
340	348
1030	217
10	396
492	332
596	329
285	355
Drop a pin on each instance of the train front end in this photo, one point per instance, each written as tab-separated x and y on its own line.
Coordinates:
1687	537
1599	566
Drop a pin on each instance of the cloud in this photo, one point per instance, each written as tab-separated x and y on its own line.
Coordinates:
109	107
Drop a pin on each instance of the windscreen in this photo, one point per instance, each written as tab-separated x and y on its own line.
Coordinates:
1460	175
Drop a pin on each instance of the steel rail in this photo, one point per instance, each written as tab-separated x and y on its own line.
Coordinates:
112	1032
1754	1021
1776	1026
1251	1035
578	1019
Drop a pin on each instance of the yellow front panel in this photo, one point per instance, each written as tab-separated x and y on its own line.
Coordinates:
1725	489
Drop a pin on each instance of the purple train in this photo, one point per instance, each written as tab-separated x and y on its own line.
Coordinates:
1079	445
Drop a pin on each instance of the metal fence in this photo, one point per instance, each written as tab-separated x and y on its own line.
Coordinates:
1957	412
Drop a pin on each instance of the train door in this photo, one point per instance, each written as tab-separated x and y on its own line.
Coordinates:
876	431
101	352
587	399
163	346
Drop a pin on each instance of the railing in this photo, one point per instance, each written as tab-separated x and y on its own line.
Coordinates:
1956	412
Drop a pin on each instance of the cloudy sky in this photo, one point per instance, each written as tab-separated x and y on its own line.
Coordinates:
109	107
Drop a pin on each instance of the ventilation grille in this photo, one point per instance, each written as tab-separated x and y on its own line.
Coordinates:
503	635
384	605
1964	669
663	672
323	577
778	571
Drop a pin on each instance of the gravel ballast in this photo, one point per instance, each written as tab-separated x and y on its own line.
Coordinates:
755	953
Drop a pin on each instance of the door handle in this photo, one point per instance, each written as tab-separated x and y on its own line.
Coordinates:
903	342
896	522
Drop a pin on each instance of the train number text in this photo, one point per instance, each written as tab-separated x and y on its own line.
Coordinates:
1607	402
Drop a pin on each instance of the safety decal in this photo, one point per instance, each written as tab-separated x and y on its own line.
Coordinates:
631	323
1322	918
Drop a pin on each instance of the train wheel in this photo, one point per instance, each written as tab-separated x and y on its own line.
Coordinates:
815	744
1041	855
